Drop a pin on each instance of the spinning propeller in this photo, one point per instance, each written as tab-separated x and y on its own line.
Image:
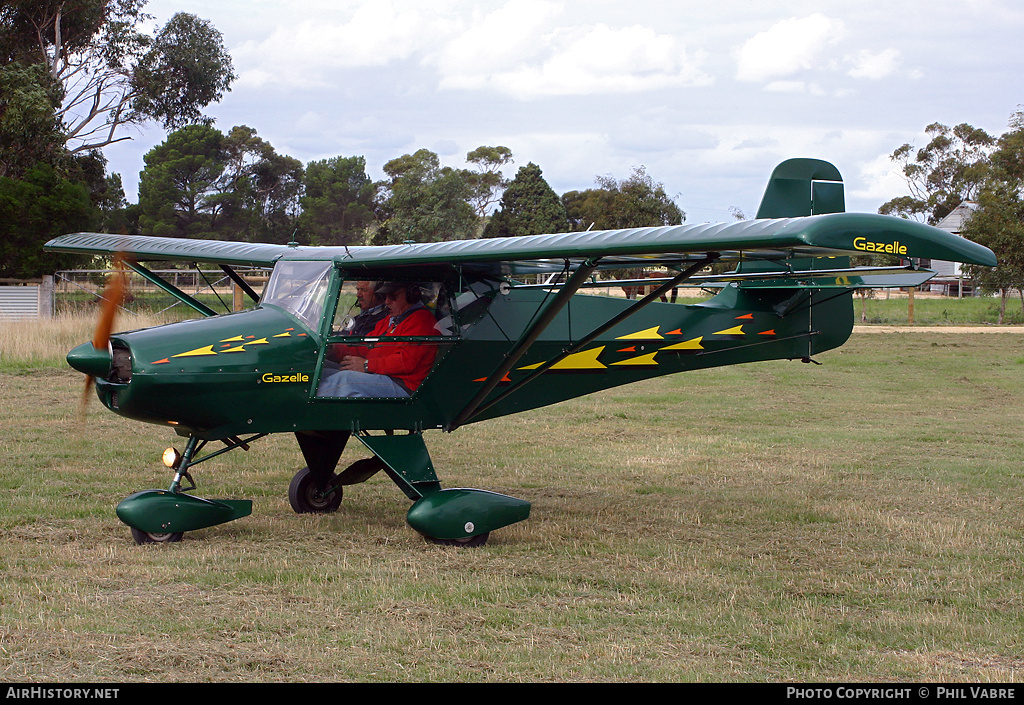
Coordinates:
94	359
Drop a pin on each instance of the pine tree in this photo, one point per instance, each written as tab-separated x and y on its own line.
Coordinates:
528	207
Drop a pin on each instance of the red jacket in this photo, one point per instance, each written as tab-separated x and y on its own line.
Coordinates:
405	361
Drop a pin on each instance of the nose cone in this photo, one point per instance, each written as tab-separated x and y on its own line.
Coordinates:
92	361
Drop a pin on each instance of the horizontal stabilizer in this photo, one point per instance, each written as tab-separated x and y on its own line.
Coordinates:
840	278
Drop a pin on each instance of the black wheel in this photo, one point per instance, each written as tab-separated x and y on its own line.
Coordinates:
142	537
468	542
307	496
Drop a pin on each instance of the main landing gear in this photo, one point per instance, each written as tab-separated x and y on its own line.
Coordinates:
452	517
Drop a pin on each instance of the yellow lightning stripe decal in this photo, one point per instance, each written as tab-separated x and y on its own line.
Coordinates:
693	344
647	359
586	360
737	330
648	334
208	350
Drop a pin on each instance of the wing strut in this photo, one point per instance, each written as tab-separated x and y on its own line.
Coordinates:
242	284
597	332
527	339
170	289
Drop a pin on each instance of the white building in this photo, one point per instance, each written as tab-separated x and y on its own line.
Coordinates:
949	278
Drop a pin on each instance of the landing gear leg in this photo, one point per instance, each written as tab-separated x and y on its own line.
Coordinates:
315	489
162	516
453	517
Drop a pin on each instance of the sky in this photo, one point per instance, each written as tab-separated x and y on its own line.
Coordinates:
706	97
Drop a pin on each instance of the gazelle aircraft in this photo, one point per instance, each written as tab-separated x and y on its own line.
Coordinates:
479	338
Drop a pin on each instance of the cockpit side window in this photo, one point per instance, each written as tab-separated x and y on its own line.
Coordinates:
360	308
300	288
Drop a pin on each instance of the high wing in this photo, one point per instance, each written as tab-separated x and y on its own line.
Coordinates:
778	239
502	343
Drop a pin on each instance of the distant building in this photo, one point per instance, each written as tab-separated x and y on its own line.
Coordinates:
949	278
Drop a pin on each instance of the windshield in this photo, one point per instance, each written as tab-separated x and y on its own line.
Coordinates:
301	288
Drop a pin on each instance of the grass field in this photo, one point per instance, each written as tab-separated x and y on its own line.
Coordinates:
930	310
855	521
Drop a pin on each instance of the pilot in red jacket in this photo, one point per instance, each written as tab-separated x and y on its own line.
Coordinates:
386	369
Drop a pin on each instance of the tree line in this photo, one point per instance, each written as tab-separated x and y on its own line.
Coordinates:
967	165
76	74
207	184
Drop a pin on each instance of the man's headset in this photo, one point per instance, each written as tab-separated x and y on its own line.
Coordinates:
414	293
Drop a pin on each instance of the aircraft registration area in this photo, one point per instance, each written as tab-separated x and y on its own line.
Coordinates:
469	331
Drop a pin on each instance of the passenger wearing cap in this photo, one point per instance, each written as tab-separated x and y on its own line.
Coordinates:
386	369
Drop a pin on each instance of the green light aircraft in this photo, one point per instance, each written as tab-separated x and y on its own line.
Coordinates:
502	325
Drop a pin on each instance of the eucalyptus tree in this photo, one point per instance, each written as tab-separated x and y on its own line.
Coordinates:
942	174
486	181
109	73
422	201
635	202
998	222
202	183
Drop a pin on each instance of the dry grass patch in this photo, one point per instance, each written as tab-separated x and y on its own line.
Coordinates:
778	522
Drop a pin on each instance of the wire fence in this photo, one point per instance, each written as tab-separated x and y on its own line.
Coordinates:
81	290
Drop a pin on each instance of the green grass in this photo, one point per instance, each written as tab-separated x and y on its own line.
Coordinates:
855	521
936	310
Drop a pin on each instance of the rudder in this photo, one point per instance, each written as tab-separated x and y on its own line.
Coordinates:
801	187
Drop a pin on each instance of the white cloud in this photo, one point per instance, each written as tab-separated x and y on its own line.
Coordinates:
512	34
786	87
788	47
307	53
875	65
517	51
600	59
879	180
522	48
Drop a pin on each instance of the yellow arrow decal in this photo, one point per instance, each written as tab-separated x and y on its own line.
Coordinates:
586	360
648	334
693	344
647	359
208	350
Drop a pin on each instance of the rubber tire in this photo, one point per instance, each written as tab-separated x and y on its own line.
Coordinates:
143	537
305	497
470	542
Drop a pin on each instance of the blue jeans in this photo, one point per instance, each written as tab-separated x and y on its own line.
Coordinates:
348	383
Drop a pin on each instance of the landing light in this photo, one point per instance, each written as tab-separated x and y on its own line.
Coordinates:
172	458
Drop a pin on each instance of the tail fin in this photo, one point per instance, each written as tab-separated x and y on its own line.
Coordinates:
800	187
